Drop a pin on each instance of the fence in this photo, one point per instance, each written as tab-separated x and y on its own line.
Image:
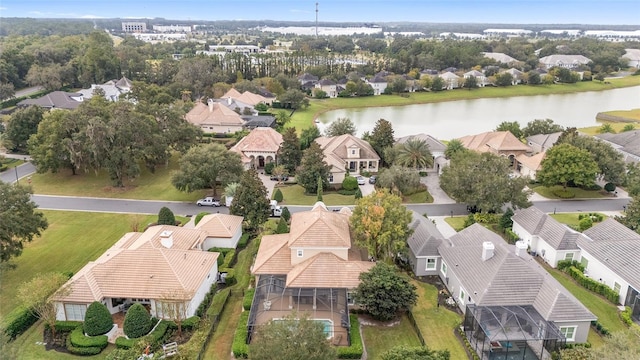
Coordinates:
412	320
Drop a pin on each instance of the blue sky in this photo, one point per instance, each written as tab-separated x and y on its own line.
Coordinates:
614	12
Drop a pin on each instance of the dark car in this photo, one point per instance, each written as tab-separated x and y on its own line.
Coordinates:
372	179
279	178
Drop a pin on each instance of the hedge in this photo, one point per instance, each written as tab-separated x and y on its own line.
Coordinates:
204	305
217	304
157	335
564	264
229	259
124	343
248	299
356	349
240	348
626	316
78	339
512	237
593	285
231	276
242	243
83	351
65	326
20	323
600	328
473	353
187	324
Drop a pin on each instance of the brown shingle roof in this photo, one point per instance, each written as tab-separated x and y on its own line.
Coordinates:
497	140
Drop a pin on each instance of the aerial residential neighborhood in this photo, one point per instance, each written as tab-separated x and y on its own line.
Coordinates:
319	187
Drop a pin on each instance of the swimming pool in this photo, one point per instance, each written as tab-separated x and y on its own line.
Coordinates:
327	325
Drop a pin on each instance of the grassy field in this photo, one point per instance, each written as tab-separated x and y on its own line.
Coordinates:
294	195
617	127
570	219
437	324
418	198
304	118
66	246
11	163
456	222
148	186
380	338
633	114
579	193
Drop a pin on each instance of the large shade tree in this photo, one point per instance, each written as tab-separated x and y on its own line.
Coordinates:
19	220
22	124
383	292
380	224
564	164
539	126
482	180
250	201
203	167
341	126
312	167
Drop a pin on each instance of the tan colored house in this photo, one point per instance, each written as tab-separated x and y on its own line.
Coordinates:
347	152
502	143
222	231
215	118
258	148
529	165
310	270
247	97
144	268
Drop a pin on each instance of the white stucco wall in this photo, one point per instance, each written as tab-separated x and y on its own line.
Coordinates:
600	272
232	242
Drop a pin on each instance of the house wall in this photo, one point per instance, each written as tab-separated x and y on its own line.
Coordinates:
582	330
220	129
309	253
600	272
338	177
525	171
419	265
524	235
378	88
231	242
454	285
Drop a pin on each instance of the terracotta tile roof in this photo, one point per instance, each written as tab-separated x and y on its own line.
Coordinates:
182	238
232	93
319	228
497	140
251	98
274	256
327	270
336	153
213	114
220	225
532	162
141	267
261	139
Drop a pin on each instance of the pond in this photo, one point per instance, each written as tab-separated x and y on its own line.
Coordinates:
454	119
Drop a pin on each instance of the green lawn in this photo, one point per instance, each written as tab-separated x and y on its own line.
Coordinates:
72	240
11	163
617	126
456	222
148	186
294	195
579	193
380	338
437	324
418	198
633	114
570	219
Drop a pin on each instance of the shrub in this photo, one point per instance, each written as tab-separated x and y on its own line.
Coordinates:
204	305
282	228
349	183
356	349
248	299
137	322
358	194
486	218
609	187
592	285
65	326
470	220
230	279
97	319
347	192
563	194
592	186
422	173
268	168
229	259
564	264
585	224
244	239
511	236
20	323
470	349
277	196
124	343
78	339
626	316
190	323
166	217
218	302
286	215
83	351
157	335
240	348
199	217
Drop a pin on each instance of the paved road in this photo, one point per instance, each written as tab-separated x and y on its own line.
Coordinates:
18	172
28	91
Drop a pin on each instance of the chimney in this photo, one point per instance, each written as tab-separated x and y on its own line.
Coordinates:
487	250
210	103
166	239
229	101
521	248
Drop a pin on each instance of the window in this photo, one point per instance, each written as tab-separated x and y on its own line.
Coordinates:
431	263
300	253
568	256
569	332
75	312
462	296
584	262
330	178
353	152
351	300
616	287
443	268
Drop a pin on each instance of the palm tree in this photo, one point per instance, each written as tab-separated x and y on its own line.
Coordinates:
415	153
453	147
230	192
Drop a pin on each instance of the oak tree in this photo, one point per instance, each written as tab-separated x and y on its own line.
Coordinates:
383	291
566	164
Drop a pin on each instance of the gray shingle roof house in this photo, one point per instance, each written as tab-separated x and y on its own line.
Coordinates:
543	142
436	147
627	143
55	100
511	303
565	61
423	246
609	252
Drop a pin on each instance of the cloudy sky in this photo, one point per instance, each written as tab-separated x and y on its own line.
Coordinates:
612	12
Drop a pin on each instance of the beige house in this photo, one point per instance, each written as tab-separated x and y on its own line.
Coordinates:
529	165
451	80
347	153
258	148
247	97
215	118
311	270
222	231
502	143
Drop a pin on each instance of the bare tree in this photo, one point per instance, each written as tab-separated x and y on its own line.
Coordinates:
174	305
36	295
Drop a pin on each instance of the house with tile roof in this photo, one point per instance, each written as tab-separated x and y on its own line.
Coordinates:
258	148
512	305
248	97
481	79
502	143
222	231
609	254
423	246
627	143
55	100
570	62
310	270
347	153
214	118
146	267
528	166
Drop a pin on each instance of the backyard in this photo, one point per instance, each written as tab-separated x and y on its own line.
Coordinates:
379	338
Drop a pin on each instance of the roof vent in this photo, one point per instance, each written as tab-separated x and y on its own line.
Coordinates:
166	239
521	248
487	250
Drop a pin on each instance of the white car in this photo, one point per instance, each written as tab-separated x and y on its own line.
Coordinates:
361	179
208	201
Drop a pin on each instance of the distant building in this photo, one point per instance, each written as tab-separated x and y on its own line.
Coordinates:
134	26
633	57
172	28
565	61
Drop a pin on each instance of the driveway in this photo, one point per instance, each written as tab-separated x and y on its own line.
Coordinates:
432	180
268	183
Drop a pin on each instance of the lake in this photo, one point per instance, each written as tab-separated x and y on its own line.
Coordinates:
454	119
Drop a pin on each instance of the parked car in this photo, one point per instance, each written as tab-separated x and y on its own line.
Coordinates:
360	179
279	177
372	179
208	201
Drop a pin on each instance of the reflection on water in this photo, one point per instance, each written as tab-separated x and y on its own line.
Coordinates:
447	120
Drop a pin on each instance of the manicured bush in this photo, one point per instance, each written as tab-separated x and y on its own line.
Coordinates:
511	236
199	217
230	279
349	183
244	239
286	214
229	259
609	187
626	316
137	322
22	321
282	228
564	264
585	224
65	326
97	319
277	195
240	348
191	323
356	349
124	343
358	194
78	339
166	217
592	285
218	302
268	168
204	305
470	349
248	299
83	351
